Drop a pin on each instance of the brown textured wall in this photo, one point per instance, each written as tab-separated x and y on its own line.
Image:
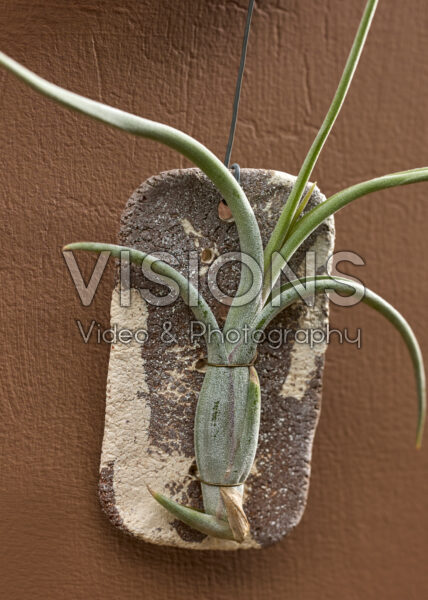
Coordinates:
63	178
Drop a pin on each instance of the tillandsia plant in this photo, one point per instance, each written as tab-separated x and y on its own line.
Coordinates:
228	410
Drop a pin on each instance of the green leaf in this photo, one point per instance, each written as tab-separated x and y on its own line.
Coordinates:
229	188
282	227
301	288
191	297
204	523
313	219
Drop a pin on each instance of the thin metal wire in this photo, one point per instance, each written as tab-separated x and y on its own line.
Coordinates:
238	87
236	172
219	484
250	364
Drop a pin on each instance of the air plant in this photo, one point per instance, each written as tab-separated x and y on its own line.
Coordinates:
228	410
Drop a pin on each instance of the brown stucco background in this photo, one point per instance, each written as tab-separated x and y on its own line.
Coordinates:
63	178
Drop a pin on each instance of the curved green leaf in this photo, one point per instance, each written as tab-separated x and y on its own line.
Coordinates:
229	188
281	229
204	523
315	217
191	297
300	288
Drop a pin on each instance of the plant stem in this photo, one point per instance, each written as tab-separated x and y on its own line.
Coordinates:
280	231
